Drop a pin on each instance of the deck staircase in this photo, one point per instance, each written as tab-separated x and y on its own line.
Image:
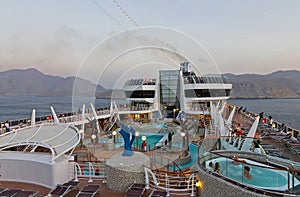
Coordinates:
179	183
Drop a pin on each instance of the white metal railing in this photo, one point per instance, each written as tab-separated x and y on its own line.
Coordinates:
89	170
171	184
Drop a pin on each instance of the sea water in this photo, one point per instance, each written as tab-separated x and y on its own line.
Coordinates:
286	111
18	107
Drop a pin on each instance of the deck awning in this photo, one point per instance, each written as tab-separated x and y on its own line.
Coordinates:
58	138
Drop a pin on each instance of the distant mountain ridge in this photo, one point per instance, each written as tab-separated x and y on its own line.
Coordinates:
279	84
32	82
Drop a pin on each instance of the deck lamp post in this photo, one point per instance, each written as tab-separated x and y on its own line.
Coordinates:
93	138
183	139
81	131
137	139
114	133
174	111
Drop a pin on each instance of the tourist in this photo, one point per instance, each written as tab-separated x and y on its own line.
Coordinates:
6	125
170	139
144	146
257	148
270	121
261	116
240	109
235	160
217	168
239	131
247	172
212	165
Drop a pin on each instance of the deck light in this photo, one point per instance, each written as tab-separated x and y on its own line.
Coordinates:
144	138
137	139
114	133
93	138
199	184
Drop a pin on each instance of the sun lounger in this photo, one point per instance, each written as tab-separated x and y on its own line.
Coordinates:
25	193
156	193
295	149
9	192
135	190
61	190
88	191
71	183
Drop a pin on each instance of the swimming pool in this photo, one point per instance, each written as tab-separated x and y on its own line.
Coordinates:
261	177
151	140
194	157
155	126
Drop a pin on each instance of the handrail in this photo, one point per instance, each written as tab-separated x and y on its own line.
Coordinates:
171	183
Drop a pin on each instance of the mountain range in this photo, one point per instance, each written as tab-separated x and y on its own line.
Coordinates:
31	82
279	84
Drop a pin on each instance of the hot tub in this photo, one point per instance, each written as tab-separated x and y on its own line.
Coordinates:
262	177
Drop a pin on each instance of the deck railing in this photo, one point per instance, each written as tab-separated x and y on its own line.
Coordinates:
90	170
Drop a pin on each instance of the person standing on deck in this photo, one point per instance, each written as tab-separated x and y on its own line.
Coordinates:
170	139
144	146
270	121
7	129
261	115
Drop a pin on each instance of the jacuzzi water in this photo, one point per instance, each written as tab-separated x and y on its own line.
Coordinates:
261	177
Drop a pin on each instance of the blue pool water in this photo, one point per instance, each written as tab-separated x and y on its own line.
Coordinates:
156	126
194	157
261	177
151	140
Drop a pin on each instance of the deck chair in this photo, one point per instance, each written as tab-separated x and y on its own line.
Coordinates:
61	190
73	184
156	193
26	193
135	190
89	190
9	192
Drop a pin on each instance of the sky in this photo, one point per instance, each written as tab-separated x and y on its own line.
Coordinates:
58	37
